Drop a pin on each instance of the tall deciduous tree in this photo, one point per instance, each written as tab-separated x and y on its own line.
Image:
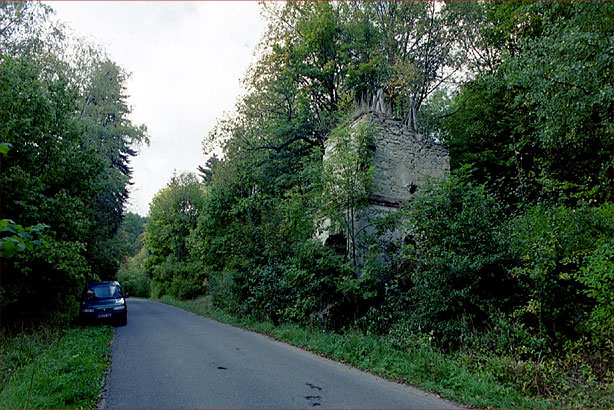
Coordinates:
68	166
548	102
173	214
108	131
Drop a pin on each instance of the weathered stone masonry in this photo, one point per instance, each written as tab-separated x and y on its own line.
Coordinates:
403	162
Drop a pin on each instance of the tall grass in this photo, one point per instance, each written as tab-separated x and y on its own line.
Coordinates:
53	367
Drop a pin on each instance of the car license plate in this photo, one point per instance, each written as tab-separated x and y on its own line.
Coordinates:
101	315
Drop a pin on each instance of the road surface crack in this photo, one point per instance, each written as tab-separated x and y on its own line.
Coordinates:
314	400
313	386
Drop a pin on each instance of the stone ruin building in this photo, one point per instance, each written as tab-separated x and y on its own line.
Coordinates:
403	162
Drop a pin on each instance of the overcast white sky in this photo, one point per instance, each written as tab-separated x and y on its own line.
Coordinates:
186	60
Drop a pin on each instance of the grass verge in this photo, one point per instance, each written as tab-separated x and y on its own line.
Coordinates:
54	368
478	381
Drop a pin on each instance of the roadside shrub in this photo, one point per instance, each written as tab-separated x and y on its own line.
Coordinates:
40	285
313	276
456	271
261	292
219	289
597	276
302	289
504	335
134	281
133	277
182	280
563	265
381	291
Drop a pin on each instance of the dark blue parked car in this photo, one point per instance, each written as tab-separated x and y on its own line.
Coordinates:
103	301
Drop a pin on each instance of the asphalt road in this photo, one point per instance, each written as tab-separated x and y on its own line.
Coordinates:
168	358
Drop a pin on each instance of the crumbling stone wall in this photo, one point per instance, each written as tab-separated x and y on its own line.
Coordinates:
403	162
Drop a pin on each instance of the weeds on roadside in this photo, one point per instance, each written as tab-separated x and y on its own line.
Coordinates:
54	367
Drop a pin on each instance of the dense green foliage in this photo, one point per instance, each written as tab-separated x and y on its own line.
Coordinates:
539	123
65	117
511	255
507	263
132	275
173	211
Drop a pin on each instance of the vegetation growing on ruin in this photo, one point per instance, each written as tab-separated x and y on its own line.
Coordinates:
508	265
